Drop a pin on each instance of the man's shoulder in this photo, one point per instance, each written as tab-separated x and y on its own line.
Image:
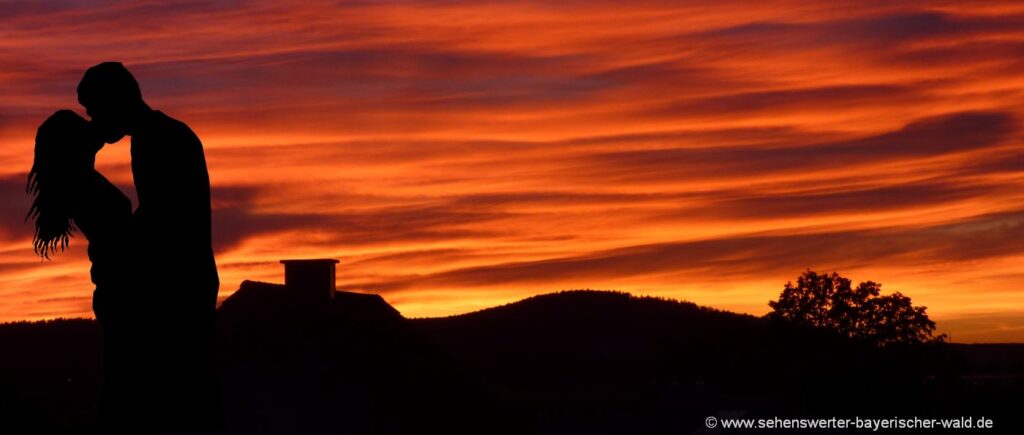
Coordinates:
169	123
160	125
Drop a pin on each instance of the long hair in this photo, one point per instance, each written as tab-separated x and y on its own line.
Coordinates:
62	148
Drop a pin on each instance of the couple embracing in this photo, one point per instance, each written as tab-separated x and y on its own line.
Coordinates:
154	270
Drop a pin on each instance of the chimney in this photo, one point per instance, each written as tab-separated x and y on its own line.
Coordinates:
313	278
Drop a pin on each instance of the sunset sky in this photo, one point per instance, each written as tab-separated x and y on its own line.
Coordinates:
457	155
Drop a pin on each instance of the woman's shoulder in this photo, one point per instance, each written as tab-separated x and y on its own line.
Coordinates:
100	185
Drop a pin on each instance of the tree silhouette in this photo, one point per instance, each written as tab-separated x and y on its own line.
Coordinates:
830	301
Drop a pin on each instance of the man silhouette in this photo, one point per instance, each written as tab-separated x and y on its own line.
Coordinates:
170	337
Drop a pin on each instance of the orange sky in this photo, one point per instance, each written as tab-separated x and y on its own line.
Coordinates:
456	155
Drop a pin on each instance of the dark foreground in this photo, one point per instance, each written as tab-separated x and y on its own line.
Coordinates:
569	363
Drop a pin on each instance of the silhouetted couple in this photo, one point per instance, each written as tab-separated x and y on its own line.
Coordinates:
155	275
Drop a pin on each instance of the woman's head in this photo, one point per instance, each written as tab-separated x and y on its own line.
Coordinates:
66	146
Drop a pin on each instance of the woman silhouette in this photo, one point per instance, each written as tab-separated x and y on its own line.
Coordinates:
70	194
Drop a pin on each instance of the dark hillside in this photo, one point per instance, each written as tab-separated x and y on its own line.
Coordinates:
585	361
49	375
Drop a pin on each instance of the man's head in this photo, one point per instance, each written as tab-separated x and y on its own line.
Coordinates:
112	98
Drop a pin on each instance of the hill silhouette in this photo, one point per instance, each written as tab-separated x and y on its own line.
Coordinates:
608	362
569	362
